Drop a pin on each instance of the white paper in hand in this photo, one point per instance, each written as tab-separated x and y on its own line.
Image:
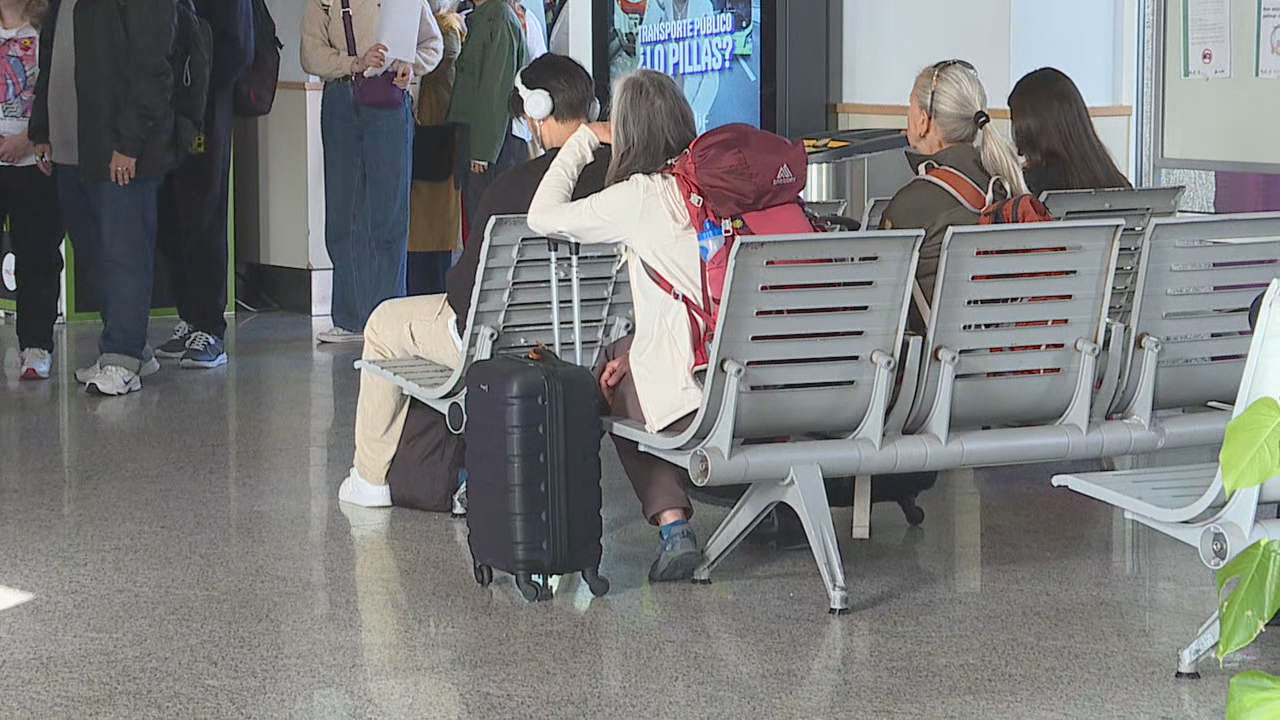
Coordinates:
398	30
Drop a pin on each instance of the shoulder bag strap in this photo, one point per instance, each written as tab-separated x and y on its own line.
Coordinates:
349	28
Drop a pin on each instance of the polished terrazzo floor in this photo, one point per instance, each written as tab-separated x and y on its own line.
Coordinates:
185	557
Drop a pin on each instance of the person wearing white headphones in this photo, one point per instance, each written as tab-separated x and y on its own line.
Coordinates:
556	96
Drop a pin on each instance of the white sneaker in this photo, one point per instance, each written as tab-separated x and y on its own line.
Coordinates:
339	335
150	367
358	491
36	364
113	380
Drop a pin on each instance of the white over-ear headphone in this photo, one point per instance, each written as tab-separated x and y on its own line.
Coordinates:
537	103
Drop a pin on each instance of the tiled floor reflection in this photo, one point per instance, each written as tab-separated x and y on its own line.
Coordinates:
186	558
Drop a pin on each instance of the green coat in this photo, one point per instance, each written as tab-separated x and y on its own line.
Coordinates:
493	53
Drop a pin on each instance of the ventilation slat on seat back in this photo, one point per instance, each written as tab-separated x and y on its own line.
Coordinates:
1201	276
514	291
804	315
1137	207
1013	300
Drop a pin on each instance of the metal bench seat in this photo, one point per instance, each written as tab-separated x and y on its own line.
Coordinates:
1188	502
511	313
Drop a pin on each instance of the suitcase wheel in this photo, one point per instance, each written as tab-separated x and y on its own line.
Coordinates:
532	591
914	513
599	586
484	575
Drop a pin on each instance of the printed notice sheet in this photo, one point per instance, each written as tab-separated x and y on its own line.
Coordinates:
1206	38
398	29
1268	39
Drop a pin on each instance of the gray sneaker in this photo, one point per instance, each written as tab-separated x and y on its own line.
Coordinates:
203	351
678	557
176	346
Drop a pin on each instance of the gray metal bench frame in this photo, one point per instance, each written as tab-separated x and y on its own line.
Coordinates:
713	451
1187	502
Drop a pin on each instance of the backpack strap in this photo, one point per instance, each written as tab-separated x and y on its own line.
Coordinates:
699	317
957	184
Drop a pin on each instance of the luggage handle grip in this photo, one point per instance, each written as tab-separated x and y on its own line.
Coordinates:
554	241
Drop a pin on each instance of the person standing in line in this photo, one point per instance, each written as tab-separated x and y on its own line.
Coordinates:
28	195
494	52
367	155
435	223
103	116
194	199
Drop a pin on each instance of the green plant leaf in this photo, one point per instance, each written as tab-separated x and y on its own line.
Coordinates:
1254	601
1253	696
1251	450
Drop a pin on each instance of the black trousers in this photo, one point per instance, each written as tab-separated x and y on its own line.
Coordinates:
29	199
193	223
514	152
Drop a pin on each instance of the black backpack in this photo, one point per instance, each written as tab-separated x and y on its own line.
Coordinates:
192	61
255	92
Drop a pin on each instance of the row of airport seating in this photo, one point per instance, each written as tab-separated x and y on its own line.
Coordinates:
1118	334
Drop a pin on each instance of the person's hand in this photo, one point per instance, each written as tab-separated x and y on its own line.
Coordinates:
603	131
15	148
404	76
615	371
479	168
44	154
123	169
374	57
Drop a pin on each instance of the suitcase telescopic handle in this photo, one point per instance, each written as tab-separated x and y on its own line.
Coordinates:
575	285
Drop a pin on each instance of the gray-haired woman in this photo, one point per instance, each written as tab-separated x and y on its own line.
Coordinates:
948	125
646	378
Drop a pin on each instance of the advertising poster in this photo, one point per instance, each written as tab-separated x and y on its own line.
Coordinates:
711	48
1268	39
1206	39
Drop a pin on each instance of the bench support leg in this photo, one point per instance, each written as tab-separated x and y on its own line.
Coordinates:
862	507
804	490
1204	643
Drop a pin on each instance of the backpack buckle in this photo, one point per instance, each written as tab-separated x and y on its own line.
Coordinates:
696	200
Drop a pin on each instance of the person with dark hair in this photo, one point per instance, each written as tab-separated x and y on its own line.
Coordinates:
103	116
194	198
431	326
28	195
1053	131
648	377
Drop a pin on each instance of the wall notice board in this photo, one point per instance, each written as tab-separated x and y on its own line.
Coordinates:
1223	123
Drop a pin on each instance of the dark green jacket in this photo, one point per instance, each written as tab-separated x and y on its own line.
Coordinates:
124	84
493	53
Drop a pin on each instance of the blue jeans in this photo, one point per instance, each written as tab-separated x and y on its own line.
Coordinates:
113	232
368	154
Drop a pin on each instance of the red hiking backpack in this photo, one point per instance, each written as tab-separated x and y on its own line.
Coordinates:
735	180
1016	209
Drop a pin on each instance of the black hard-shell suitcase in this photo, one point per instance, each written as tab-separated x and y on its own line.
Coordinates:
533	464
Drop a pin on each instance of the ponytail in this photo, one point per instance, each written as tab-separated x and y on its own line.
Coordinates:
957	101
1000	159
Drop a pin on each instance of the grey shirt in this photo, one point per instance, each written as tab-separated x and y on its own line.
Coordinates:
64	120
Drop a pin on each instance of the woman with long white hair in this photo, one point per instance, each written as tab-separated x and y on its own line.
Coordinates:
948	126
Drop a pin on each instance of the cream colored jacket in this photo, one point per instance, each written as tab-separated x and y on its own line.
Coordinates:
324	41
647	217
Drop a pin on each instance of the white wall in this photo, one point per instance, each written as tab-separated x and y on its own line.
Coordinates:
288	17
887	43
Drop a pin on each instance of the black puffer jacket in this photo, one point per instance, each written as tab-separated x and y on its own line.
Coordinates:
124	84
